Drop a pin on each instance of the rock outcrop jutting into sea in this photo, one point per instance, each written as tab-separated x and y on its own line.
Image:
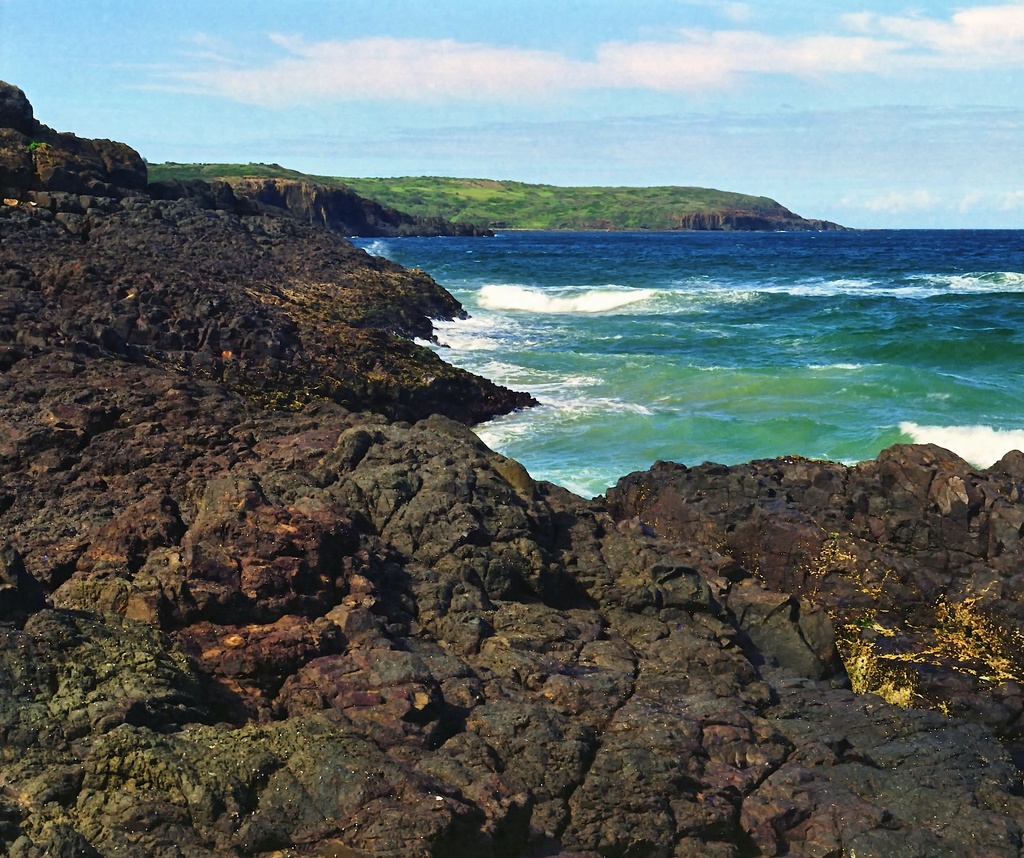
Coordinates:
262	591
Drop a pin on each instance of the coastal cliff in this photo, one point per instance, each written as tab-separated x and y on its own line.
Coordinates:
342	210
448	204
264	592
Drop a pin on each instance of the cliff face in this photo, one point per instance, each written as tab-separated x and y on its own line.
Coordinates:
251	602
777	220
343	211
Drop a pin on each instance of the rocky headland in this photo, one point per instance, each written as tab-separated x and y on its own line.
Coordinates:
264	592
410	205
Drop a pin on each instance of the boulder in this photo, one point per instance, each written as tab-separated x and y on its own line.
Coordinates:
34	157
64	162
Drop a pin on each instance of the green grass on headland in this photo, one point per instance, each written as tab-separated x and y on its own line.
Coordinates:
516	205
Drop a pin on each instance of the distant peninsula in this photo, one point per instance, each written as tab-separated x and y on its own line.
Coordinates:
489	204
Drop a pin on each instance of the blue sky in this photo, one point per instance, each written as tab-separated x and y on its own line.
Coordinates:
872	114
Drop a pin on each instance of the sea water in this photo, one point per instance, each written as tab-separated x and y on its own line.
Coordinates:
728	347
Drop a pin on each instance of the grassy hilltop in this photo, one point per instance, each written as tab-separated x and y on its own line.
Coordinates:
516	205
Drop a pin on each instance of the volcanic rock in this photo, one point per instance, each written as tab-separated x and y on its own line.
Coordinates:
916	556
16	110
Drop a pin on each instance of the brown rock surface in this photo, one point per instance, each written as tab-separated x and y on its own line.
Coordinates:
917	556
34	157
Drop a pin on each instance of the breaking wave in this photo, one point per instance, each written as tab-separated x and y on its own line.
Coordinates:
527	299
982	446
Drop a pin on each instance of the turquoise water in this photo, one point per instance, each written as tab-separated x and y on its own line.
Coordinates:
729	347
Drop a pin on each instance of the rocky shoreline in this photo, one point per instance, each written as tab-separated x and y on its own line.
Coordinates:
263	591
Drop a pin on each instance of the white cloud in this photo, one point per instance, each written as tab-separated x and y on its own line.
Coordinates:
903	202
389	68
971	201
978	36
385	68
738	12
707	58
1012	200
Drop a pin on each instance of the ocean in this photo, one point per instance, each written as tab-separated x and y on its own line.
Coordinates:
730	346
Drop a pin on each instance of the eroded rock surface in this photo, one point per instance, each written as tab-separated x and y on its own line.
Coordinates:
360	635
917	556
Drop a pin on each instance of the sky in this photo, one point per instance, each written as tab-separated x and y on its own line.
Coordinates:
873	114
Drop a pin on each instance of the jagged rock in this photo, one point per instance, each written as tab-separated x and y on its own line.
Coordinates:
68	163
915	555
300	313
17	167
34	157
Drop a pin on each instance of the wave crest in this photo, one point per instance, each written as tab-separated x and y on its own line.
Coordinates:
982	446
524	298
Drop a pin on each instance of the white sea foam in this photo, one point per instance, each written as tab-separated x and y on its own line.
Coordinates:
724	294
689	297
466	339
378	248
479	333
563	398
509	296
499	436
982	446
992	281
826	288
555	414
916	287
583	405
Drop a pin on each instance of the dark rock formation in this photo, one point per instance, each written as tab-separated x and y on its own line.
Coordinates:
241	613
34	157
917	556
421	652
343	211
297	313
15	110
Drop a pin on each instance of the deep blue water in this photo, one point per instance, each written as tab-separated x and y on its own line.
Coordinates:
734	346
